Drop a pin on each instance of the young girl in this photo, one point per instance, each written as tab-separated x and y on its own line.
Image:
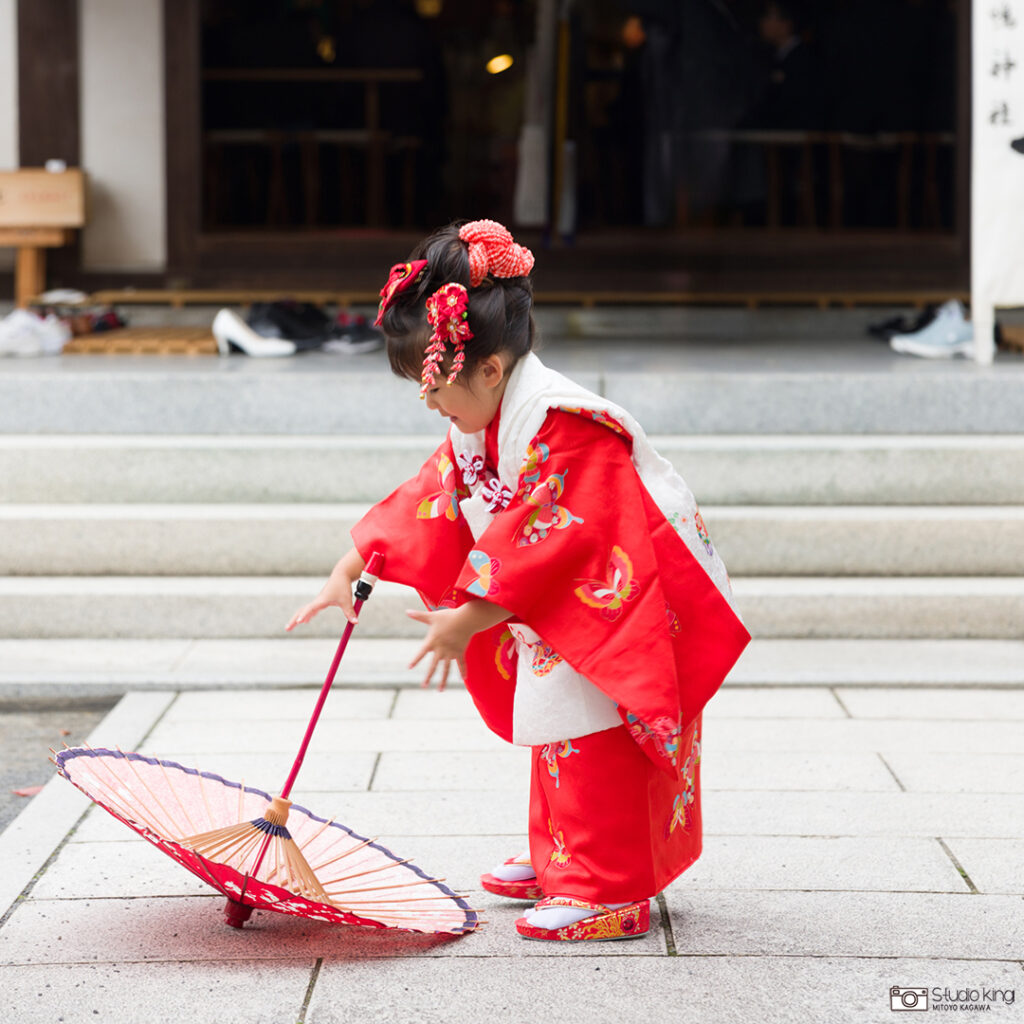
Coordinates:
567	572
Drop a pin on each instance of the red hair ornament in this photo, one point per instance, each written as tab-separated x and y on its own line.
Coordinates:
401	277
448	314
493	250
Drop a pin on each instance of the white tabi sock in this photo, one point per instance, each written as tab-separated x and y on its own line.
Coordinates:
515	872
558	917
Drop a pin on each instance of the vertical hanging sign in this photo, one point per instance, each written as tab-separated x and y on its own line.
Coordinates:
997	165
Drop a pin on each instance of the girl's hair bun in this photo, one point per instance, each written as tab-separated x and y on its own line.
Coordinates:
493	250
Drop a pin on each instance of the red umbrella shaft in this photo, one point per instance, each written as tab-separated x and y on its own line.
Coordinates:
363	591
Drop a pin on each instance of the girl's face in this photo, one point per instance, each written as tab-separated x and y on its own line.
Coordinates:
471	403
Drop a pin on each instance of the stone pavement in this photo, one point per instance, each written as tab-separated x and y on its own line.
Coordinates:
856	838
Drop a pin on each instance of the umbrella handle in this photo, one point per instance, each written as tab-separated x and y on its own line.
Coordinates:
364	587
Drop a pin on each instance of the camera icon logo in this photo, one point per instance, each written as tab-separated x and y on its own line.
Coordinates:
908	998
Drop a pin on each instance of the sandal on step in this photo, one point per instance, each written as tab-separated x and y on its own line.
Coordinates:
520	889
628	922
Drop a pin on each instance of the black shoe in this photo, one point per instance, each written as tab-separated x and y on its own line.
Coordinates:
901	325
305	325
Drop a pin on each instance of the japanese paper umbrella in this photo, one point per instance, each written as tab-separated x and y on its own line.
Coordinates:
262	851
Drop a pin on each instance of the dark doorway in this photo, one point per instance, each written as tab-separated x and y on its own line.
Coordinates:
721	142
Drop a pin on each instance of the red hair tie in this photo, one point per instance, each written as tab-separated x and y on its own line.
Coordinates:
493	250
448	314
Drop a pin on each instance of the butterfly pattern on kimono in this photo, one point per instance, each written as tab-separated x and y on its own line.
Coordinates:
612	594
684	804
447	600
529	472
486	568
674	625
560	855
601	416
551	752
546	514
444	502
663	733
544	659
505	655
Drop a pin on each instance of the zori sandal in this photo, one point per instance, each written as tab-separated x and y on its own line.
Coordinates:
521	888
628	922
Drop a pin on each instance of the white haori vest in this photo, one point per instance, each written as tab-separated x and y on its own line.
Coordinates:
552	701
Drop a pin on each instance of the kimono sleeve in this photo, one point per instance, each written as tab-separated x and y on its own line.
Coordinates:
420	530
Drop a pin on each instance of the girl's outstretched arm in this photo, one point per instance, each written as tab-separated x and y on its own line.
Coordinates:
337	591
449	633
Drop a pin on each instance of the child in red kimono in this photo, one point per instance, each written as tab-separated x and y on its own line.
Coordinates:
567	572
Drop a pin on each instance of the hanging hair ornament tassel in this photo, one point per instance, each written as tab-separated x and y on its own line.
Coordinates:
493	250
448	314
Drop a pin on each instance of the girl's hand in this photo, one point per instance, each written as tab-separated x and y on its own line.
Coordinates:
337	591
448	635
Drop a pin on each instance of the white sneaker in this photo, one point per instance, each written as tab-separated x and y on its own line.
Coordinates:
53	334
949	334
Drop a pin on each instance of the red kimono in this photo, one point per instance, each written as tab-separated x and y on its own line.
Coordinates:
581	555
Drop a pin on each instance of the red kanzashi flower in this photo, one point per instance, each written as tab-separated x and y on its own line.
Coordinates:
448	314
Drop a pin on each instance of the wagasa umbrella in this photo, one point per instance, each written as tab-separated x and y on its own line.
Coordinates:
262	851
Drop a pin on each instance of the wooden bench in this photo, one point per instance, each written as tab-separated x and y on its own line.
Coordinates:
38	211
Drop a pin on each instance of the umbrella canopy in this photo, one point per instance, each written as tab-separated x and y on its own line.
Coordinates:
357	881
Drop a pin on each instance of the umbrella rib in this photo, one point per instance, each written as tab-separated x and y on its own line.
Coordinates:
126	811
150	791
368	871
358	903
206	801
177	797
129	811
385	888
341	856
319	832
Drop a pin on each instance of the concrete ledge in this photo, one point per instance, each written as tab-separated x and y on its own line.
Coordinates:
28	842
101	667
728	470
257	607
307	539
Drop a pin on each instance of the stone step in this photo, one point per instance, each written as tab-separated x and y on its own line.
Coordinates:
52	668
307	539
726	470
684	385
259	607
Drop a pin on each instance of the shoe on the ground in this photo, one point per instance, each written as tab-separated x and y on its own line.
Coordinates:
304	324
949	334
233	334
24	334
605	923
353	335
885	329
515	879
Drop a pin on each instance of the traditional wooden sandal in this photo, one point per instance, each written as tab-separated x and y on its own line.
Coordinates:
524	889
628	922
